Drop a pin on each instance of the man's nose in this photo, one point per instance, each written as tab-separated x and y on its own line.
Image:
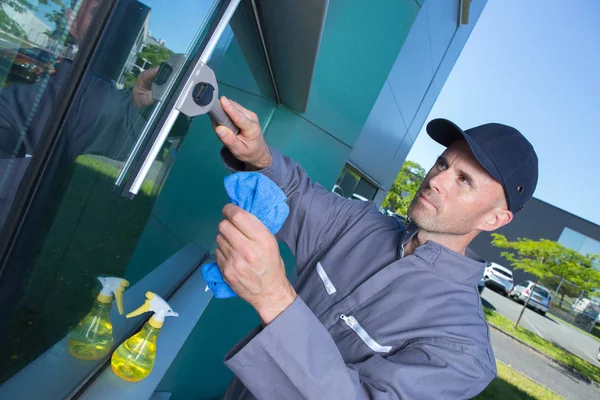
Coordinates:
440	181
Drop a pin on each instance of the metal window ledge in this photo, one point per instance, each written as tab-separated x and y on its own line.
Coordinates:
56	372
189	301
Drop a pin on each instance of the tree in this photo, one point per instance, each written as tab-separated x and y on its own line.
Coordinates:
564	289
155	54
152	53
8	24
60	31
404	188
546	259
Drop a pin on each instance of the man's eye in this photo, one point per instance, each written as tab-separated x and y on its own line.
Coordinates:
464	180
441	164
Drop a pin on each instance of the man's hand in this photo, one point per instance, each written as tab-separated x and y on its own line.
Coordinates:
142	90
249	146
248	257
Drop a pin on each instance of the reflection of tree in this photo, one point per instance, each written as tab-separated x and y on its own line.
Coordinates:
59	19
8	24
154	56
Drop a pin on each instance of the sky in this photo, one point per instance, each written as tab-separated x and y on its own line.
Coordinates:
535	65
177	28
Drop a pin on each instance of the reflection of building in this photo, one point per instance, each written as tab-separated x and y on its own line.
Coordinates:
130	22
140	40
579	242
540	220
33	27
138	64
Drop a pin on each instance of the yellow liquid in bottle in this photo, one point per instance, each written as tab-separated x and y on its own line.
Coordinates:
92	338
133	360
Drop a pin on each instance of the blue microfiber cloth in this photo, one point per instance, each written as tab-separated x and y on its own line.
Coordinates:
260	196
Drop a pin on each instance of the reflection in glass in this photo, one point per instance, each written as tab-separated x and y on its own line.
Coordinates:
78	226
571	239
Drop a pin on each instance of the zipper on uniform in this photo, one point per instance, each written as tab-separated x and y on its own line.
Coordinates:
366	338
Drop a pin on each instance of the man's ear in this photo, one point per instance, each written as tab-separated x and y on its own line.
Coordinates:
496	218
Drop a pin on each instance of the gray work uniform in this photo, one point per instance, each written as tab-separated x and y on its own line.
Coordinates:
367	322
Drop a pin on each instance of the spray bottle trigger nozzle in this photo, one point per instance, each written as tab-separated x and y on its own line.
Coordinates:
113	286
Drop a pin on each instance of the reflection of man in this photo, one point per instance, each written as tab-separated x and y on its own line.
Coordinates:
102	120
379	310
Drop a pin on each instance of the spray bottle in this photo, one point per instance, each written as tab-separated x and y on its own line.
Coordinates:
92	338
133	359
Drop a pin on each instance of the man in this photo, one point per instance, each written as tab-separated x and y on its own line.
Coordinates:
379	310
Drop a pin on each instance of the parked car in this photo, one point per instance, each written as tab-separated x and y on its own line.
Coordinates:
28	64
540	299
588	312
598	356
586	305
498	277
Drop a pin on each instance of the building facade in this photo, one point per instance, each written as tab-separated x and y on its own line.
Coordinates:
540	220
137	192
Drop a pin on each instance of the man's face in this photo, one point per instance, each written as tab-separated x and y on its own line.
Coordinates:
457	196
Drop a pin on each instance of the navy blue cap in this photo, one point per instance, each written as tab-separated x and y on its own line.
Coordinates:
501	150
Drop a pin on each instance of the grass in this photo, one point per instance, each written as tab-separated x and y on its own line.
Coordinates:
546	347
596	331
109	172
512	385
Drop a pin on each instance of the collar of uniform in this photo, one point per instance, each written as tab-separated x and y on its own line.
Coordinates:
409	232
467	269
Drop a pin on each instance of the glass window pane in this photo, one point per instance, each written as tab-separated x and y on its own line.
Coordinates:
571	239
590	246
502	272
79	227
352	185
541	291
365	189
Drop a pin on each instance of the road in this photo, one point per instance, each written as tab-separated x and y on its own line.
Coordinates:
542	370
548	327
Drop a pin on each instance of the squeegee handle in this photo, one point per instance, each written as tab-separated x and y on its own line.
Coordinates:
220	118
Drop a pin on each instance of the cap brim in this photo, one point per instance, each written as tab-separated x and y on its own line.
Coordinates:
446	132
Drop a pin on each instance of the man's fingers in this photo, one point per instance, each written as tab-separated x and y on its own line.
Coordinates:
249	114
221	259
229	232
246	223
147	77
237	114
225	246
228	138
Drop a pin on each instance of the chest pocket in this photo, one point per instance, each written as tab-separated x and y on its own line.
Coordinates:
364	335
325	279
